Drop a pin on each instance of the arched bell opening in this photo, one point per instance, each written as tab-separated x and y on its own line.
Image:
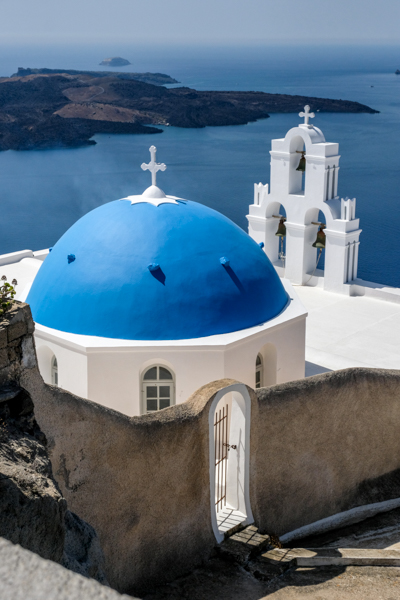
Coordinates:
297	167
275	244
280	234
315	243
229	434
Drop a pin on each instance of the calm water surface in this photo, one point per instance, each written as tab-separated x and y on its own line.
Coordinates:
42	193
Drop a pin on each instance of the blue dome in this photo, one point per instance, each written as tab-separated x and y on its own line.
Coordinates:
143	272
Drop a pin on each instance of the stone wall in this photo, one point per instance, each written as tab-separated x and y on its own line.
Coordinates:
324	445
141	482
17	350
318	447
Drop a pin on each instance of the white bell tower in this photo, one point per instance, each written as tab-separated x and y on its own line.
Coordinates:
302	195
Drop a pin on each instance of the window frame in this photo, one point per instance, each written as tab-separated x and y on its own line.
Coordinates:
259	369
54	371
157	383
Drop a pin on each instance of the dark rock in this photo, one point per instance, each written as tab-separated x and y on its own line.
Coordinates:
8	392
82	551
3	358
33	512
3	338
16	330
235	552
32	508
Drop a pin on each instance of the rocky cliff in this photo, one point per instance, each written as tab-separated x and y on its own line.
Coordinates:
33	512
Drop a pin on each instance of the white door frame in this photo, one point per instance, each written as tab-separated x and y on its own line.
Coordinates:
243	399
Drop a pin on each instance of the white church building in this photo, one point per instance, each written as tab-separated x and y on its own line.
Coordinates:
147	298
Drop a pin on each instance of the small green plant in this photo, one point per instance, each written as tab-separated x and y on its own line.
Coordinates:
7	293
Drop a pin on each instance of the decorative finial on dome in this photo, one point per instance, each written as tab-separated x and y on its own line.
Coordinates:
153	166
307	116
153	195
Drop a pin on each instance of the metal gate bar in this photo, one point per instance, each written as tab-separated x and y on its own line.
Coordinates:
221	456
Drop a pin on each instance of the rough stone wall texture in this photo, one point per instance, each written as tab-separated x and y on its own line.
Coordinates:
33	512
142	482
318	446
324	445
17	348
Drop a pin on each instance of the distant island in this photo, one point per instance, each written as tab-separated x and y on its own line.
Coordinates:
154	78
397	71
43	108
115	61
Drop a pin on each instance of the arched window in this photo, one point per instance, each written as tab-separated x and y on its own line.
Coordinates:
54	371
158	389
259	371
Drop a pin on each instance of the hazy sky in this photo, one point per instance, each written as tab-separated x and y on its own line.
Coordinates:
201	21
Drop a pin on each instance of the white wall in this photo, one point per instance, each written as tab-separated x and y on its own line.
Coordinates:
72	366
235	490
115	377
288	340
110	371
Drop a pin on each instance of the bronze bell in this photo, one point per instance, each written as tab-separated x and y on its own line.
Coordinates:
320	241
302	163
281	232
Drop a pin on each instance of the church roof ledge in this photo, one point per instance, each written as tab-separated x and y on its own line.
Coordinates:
293	311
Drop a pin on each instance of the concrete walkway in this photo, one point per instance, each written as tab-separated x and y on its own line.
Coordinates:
320	557
240	572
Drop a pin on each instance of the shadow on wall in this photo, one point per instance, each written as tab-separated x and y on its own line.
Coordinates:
268	368
318	447
314	369
150	475
234	277
45	358
324	445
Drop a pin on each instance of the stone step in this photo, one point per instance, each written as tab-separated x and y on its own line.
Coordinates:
251	538
317	557
243	544
235	529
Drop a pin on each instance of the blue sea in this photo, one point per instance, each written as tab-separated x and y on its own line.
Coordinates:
42	193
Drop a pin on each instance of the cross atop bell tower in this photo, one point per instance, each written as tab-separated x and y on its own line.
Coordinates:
307	115
153	166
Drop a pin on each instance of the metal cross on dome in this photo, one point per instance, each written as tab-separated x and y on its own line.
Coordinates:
307	115
153	166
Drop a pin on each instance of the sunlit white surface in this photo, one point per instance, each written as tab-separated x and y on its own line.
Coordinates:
348	331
